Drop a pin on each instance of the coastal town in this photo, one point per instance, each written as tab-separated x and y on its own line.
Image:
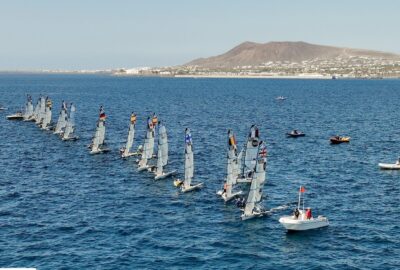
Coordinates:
338	67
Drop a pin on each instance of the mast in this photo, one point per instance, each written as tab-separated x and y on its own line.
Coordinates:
189	163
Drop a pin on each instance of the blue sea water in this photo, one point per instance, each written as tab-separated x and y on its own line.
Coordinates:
61	208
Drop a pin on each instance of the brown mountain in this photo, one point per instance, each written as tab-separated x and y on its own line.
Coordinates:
253	54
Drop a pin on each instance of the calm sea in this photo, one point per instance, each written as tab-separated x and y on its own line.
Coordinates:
61	208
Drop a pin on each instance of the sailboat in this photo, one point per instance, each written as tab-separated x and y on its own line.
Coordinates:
62	119
148	148
252	207
42	111
232	169
46	122
186	184
248	156
97	145
162	154
28	114
36	111
68	134
126	151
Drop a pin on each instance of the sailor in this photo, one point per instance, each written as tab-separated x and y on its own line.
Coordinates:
296	213
308	213
154	120
225	188
133	118
295	131
398	161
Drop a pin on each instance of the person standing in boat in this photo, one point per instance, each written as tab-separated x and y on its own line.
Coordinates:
102	114
308	213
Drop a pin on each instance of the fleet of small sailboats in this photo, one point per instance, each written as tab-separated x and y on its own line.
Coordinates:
245	171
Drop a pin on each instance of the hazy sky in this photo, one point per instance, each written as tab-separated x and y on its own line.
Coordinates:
85	34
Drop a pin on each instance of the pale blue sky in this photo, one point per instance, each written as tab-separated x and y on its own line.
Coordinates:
89	34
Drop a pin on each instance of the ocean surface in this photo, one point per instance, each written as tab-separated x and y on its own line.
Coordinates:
61	208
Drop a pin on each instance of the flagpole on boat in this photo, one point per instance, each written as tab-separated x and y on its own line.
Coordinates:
298	205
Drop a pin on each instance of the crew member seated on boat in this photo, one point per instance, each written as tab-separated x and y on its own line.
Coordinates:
154	120
133	118
296	213
225	187
295	131
308	213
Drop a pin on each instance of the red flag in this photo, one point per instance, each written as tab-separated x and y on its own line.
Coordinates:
302	189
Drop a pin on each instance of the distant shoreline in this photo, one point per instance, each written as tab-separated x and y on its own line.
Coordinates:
196	76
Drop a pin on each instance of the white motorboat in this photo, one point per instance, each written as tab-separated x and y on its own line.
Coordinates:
302	220
390	166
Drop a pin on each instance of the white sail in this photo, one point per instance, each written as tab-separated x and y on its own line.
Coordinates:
28	109
248	161
36	111
102	135
129	141
147	148
47	116
70	127
42	109
231	169
189	162
257	184
162	154
62	120
96	139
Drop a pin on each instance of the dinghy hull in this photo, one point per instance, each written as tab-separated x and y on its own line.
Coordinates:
191	188
165	175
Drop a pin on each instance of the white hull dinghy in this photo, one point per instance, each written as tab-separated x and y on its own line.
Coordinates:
228	193
390	166
126	150
253	207
68	134
302	219
15	116
98	142
186	184
162	154
148	148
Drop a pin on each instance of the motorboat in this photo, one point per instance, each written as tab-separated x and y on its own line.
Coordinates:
338	140
295	133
